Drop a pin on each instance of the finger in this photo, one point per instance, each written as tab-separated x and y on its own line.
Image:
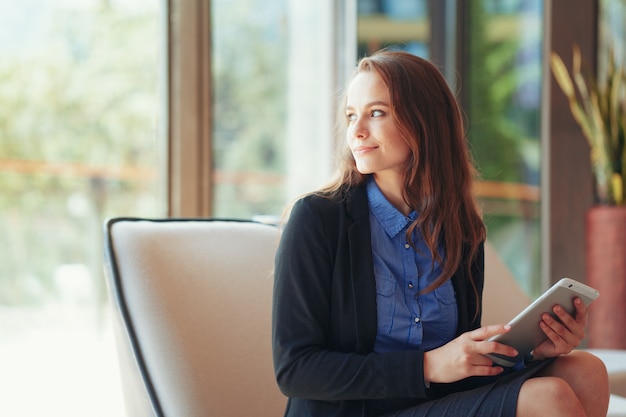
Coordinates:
482	360
577	327
496	347
567	324
581	311
487	370
559	346
486	332
556	326
563	339
566	318
546	350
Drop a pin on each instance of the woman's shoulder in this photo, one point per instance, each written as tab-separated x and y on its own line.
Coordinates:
330	199
327	204
317	202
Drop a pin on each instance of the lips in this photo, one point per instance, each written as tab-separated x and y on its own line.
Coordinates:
359	150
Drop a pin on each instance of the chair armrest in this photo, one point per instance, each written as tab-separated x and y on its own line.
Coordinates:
615	362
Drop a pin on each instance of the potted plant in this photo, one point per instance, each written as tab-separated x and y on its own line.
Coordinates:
599	107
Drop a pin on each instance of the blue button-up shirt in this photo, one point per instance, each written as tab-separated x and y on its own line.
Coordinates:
406	318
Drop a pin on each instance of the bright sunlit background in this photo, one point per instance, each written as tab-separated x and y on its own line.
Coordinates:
81	102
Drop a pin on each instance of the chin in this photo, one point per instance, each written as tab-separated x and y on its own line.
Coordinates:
364	170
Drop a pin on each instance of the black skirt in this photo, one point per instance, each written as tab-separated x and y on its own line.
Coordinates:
484	397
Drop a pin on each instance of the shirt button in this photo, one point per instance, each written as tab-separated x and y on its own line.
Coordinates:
410	285
417	319
406	246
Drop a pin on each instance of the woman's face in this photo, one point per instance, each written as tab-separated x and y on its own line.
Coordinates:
373	135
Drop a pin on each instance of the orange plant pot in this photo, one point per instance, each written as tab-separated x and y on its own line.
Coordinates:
606	272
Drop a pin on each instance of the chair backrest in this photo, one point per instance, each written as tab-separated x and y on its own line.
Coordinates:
503	298
195	299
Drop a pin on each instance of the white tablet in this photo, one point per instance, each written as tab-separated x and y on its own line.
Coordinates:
525	333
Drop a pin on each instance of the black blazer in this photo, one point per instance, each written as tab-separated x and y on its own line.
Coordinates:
324	315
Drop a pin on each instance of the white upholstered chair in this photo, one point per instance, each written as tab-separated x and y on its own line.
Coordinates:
193	315
194	307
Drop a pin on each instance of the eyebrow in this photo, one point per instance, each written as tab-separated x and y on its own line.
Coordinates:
372	104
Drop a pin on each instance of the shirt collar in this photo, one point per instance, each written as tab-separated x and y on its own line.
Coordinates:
390	218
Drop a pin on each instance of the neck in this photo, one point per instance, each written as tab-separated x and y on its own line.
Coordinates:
392	190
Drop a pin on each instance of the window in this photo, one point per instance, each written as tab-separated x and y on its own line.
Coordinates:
392	23
275	73
502	97
250	65
81	139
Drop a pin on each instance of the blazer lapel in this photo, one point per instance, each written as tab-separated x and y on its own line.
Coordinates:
363	282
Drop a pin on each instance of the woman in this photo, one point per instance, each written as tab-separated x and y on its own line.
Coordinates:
379	276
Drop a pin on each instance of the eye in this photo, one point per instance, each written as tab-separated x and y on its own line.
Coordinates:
351	117
377	113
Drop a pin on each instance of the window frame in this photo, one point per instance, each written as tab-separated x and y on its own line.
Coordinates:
189	112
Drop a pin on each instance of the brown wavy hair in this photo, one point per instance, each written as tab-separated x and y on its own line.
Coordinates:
439	171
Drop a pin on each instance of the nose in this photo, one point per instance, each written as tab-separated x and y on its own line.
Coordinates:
359	129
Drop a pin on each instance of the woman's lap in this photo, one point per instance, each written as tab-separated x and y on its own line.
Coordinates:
495	399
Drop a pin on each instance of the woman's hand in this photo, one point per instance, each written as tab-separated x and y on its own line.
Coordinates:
565	335
464	356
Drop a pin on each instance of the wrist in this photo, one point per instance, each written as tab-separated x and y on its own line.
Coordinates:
427	372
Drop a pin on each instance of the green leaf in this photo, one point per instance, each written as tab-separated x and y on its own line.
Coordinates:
561	75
